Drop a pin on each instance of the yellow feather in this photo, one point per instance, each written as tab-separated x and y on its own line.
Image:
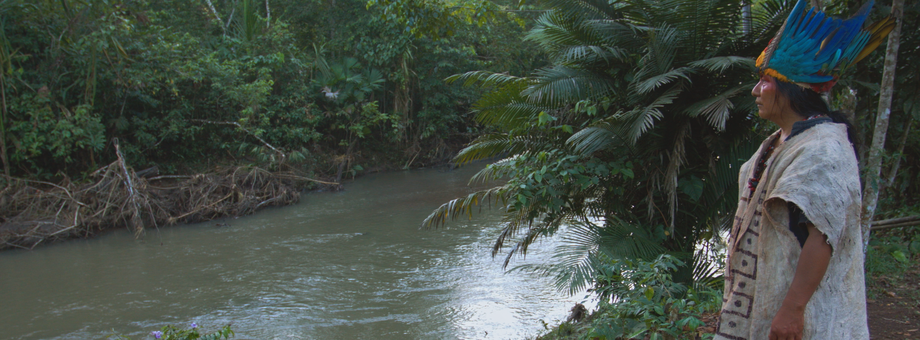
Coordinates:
775	74
880	30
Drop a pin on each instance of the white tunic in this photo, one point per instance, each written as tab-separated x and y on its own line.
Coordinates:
817	170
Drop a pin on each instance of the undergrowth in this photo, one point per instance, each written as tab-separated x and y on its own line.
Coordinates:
888	259
645	303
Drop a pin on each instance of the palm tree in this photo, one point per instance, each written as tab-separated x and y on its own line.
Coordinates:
632	137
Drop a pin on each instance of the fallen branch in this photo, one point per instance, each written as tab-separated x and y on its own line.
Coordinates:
896	220
892	226
117	198
301	178
168	177
136	220
201	208
76	216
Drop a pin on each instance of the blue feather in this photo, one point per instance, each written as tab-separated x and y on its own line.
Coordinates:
814	45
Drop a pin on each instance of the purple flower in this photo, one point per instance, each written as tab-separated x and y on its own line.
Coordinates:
157	334
193	325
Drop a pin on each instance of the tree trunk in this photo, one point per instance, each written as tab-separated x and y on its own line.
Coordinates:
893	172
214	10
874	162
847	101
6	164
268	15
817	4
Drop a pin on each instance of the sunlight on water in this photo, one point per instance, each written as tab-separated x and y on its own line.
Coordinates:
350	264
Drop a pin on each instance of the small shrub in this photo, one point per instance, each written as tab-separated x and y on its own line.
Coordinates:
646	303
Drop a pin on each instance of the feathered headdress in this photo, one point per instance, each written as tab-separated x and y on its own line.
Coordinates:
813	49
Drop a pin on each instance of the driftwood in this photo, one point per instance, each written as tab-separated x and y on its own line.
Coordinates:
35	212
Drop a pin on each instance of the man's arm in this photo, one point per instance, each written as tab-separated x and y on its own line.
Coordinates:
789	322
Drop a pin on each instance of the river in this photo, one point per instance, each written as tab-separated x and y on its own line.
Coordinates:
343	265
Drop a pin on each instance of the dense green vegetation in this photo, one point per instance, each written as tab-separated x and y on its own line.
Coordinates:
629	141
620	124
632	136
187	85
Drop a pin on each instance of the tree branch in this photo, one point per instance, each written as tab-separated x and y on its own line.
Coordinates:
214	10
283	156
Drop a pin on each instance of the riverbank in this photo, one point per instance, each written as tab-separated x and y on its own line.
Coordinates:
34	212
37	212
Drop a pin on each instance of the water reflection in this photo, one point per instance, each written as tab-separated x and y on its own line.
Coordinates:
351	264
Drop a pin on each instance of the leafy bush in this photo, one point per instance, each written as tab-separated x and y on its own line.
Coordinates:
187	87
640	300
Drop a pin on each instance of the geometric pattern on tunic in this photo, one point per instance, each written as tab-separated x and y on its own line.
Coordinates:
742	272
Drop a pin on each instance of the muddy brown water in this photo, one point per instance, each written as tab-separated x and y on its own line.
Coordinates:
345	265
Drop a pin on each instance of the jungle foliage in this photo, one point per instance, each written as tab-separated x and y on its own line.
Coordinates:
629	141
329	86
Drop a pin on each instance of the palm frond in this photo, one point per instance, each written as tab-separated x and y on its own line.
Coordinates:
620	239
463	206
711	22
574	40
655	81
639	120
661	50
767	16
497	144
592	139
585	246
509	115
590	54
706	269
487	79
594	9
494	171
502	105
717	109
561	84
575	262
723	63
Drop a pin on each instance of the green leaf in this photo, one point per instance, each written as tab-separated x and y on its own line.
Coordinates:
899	256
544	118
692	186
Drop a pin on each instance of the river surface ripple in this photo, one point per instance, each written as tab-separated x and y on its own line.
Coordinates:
345	265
